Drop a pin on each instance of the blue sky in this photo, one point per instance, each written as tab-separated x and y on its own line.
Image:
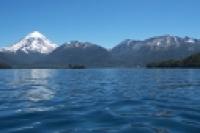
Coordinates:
105	22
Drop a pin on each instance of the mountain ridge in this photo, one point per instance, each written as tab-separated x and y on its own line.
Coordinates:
33	42
35	48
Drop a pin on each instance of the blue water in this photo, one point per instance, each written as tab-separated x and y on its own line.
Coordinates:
100	101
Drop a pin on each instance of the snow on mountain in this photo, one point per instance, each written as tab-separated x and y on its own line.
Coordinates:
34	42
189	40
159	48
161	42
77	44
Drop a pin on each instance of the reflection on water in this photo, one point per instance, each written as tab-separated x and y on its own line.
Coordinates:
29	86
38	93
100	100
40	88
40	73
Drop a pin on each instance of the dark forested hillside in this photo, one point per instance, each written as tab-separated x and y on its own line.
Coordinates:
192	61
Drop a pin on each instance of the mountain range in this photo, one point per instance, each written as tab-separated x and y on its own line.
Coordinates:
35	50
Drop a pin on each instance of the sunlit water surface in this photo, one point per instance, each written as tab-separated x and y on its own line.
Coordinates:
100	101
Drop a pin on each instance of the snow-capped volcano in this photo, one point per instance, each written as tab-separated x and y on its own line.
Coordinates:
34	42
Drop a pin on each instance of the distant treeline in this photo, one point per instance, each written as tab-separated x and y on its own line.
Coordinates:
5	66
192	61
46	66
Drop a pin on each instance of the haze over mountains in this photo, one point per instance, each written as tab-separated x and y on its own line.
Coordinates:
36	50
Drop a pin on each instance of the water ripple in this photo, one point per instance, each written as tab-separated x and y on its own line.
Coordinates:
100	101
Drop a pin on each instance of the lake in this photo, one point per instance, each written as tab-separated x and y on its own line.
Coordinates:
100	101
